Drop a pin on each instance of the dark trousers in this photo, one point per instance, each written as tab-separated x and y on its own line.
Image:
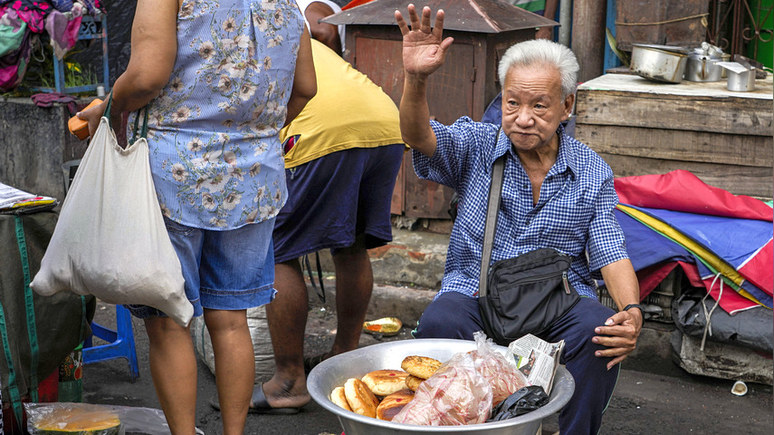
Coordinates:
454	315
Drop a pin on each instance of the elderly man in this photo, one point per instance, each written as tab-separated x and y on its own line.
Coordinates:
557	193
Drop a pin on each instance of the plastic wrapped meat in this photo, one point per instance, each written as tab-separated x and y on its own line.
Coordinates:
455	395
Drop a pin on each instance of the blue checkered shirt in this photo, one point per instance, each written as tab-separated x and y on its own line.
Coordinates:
574	214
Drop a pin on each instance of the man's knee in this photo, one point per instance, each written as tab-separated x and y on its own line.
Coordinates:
450	315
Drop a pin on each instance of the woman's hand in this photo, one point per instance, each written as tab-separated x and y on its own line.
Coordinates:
423	47
92	115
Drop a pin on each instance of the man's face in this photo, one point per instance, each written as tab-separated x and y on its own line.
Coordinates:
533	106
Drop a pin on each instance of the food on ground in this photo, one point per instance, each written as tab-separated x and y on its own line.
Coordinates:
77	420
386	382
386	326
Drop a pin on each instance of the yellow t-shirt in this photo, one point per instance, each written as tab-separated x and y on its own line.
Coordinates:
348	111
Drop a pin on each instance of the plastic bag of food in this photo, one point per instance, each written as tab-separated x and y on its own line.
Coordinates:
455	395
63	418
503	375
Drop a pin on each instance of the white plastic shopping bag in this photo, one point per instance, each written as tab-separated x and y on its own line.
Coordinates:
110	240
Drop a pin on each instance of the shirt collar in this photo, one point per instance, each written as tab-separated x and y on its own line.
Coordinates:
564	159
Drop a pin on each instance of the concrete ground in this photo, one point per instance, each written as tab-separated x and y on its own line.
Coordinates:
653	394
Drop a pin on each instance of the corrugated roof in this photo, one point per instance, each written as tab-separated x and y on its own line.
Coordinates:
476	16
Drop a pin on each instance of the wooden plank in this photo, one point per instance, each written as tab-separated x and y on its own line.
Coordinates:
722	115
689	146
588	37
739	180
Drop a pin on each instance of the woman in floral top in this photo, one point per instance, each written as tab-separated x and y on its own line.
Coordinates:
220	78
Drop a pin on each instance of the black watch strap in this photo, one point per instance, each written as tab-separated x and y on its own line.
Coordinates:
628	307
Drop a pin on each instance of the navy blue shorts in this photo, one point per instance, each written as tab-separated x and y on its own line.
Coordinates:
335	198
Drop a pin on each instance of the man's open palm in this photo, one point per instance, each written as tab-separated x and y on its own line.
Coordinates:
423	47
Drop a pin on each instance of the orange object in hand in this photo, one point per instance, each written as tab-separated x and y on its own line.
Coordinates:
78	126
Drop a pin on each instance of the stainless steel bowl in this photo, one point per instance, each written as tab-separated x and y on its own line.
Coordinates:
334	371
659	62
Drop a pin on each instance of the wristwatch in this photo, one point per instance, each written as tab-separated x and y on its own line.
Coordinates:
637	306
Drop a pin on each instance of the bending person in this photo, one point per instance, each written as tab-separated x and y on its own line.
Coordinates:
557	193
220	79
342	157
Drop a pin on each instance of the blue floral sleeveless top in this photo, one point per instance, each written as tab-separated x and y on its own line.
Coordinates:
215	155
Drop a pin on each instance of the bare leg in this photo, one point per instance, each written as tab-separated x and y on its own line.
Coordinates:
354	284
173	369
234	365
287	321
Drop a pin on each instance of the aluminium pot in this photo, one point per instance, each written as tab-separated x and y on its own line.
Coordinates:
336	370
743	81
661	63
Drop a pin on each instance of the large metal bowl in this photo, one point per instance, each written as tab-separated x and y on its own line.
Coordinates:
334	371
658	62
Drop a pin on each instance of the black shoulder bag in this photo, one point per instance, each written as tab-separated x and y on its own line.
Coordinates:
525	294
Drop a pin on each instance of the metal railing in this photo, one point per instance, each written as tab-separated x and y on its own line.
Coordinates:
737	24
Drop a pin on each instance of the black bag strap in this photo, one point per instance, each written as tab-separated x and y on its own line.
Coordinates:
493	204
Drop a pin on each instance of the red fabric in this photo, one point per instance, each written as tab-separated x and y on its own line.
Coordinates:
683	191
354	3
758	268
731	301
651	276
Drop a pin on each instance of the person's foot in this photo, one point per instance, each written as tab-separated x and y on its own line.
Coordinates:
285	394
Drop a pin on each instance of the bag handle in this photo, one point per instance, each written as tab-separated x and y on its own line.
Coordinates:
493	204
143	129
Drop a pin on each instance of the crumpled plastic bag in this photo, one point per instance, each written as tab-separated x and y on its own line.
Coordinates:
92	419
521	402
503	376
455	395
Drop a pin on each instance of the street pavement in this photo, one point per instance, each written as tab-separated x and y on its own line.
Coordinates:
652	396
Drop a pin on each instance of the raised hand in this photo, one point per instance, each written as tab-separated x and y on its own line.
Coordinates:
423	47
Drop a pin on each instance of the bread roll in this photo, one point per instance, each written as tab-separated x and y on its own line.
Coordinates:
420	366
360	399
385	382
412	382
339	398
392	404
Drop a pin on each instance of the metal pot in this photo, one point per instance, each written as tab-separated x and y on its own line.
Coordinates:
659	62
741	81
741	77
336	370
703	68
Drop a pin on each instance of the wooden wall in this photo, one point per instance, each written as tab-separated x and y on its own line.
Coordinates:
726	140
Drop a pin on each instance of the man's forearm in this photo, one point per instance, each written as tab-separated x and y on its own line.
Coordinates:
415	116
621	283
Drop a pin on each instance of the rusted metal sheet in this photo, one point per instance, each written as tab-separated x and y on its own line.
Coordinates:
476	16
665	22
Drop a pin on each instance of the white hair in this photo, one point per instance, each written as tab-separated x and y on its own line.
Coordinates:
542	51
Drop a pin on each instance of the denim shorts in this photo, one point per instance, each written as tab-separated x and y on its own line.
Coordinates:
223	270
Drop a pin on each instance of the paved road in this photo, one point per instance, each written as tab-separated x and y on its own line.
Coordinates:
644	402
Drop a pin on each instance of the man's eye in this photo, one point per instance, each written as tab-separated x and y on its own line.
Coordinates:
540	106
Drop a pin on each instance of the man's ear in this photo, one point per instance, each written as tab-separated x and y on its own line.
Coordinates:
569	102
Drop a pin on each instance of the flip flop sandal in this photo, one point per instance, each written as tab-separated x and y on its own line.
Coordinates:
259	405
